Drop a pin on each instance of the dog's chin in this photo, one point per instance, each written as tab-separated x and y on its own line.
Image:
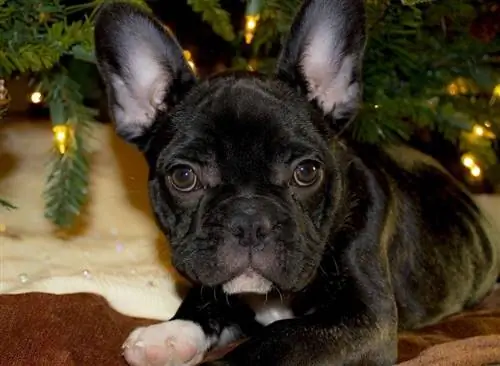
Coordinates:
248	282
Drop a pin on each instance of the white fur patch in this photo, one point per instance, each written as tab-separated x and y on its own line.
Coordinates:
250	282
331	86
267	310
173	343
228	335
329	71
142	92
143	82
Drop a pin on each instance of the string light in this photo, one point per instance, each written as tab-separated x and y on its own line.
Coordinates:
36	97
478	130
459	86
475	171
62	137
468	161
453	89
495	95
189	59
252	16
496	91
251	26
481	131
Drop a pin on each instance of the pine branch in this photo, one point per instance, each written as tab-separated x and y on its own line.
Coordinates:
212	13
67	183
31	43
34	36
7	205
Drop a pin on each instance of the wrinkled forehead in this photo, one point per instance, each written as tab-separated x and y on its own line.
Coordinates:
244	123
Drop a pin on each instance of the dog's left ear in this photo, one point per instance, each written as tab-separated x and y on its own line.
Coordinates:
323	55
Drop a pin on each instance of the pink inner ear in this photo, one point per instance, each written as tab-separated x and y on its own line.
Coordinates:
327	71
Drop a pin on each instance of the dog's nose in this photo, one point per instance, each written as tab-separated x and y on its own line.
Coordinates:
250	227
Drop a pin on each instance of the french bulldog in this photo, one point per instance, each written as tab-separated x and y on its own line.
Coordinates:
313	247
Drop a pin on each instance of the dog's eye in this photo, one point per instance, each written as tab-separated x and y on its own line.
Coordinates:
183	178
307	173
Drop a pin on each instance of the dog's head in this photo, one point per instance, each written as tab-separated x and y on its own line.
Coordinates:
243	180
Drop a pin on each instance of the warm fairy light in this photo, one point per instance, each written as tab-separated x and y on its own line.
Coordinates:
453	89
36	97
61	138
251	23
377	106
250	27
481	131
496	91
478	130
189	59
468	161
459	86
475	171
462	85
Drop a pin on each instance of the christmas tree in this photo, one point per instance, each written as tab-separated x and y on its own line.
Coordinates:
38	38
429	66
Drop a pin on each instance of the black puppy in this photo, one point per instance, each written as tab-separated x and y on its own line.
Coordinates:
316	248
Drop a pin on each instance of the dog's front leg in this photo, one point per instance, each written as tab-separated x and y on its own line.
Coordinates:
349	335
204	315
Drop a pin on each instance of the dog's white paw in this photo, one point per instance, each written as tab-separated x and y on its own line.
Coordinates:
173	343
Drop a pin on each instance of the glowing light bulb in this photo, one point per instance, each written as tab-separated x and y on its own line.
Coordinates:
36	97
62	136
475	171
496	91
250	27
468	161
478	130
453	89
251	24
189	58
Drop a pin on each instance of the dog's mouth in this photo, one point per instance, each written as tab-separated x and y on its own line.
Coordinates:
248	282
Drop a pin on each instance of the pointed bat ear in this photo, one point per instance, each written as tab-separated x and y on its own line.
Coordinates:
323	55
142	66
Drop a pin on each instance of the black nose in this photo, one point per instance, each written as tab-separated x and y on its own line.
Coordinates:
250	227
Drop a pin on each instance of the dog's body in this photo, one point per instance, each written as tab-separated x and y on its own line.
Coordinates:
315	247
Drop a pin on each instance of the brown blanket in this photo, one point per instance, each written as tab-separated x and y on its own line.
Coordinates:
39	329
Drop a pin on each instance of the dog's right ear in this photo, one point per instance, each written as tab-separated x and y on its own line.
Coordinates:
142	66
